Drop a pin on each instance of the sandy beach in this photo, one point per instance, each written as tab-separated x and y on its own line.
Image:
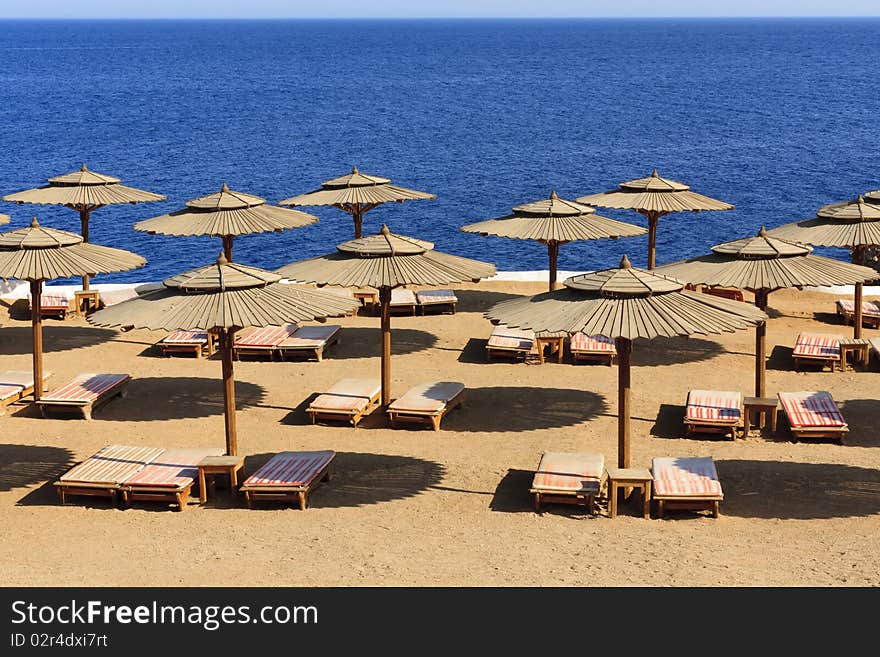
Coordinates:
415	507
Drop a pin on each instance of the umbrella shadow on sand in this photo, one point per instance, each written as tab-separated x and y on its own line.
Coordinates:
674	351
17	340
798	491
26	465
861	416
358	479
479	301
366	342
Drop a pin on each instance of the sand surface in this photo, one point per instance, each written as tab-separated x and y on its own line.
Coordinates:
417	507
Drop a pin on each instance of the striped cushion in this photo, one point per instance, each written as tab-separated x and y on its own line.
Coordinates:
817	345
291	469
848	307
811	409
268	336
186	337
52	302
7	391
311	337
348	395
429	397
569	472
511	338
112	464
714	405
402	297
581	342
685	477
426	297
86	388
174	468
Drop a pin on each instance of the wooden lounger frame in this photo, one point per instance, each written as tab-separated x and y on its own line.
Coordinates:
21	394
707	503
179	495
354	417
64	488
711	426
430	417
836	433
87	408
824	360
579	498
254	493
606	357
198	349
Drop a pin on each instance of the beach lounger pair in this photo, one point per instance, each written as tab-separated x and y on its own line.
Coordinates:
813	414
15	385
714	411
84	394
198	343
436	300
846	309
52	305
510	342
286	340
592	347
819	348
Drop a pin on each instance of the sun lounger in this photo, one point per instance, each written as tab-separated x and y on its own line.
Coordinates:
167	478
403	300
508	341
846	308
15	385
724	293
261	341
714	411
592	347
102	473
813	414
686	483
85	393
347	399
568	477
816	348
875	346
427	402
52	305
313	339
288	475
436	299
198	343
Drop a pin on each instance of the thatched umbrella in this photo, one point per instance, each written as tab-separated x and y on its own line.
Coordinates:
356	193
38	254
386	261
223	298
83	191
225	215
761	265
626	304
852	224
654	197
554	222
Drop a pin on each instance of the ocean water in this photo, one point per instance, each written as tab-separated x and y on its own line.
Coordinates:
775	116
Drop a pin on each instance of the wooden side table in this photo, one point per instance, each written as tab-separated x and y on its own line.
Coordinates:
218	465
760	405
859	348
556	342
629	478
88	298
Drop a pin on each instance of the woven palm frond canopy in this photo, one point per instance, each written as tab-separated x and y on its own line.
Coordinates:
626	304
37	254
226	214
222	298
762	264
83	191
386	261
654	197
357	193
554	221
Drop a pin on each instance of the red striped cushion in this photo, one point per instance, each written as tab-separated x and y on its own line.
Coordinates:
436	296
685	477
291	469
52	302
111	464
511	338
186	337
811	409
592	343
173	468
86	387
267	336
817	345
569	472
715	405
848	307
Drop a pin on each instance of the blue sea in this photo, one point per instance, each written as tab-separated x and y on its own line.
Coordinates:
775	116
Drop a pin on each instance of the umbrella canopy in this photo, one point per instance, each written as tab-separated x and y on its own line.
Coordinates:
762	264
554	221
83	191
224	297
386	261
37	254
626	304
851	224
654	197
357	193
226	214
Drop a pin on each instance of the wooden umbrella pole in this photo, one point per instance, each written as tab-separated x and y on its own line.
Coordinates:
857	319
385	303
624	351
553	253
37	337
653	217
84	231
227	247
358	217
761	346
226	340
